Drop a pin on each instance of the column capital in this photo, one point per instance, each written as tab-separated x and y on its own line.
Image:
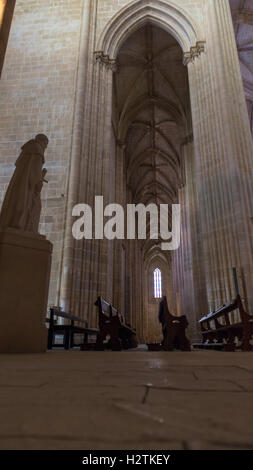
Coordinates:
121	144
194	52
105	60
187	139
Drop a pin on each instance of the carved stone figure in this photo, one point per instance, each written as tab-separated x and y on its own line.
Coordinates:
22	203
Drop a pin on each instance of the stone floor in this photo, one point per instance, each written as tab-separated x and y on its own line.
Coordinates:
126	400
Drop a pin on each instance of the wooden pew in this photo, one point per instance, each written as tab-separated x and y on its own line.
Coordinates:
112	323
226	324
173	329
67	330
175	334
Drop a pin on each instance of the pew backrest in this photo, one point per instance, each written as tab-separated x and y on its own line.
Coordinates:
103	307
111	313
56	312
228	315
68	329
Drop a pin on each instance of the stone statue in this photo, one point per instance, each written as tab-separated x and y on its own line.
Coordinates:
22	203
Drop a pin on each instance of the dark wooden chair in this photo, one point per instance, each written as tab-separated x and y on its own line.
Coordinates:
67	330
173	329
227	323
112	323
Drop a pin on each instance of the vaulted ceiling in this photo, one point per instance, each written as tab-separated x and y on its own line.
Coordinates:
242	13
152	105
152	98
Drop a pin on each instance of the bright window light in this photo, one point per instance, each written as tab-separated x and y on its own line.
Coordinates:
157	283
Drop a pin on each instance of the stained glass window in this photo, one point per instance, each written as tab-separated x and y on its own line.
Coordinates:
157	283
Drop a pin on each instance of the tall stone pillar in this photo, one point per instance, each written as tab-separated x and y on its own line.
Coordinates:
84	266
97	171
82	106
223	158
6	15
119	245
187	260
90	264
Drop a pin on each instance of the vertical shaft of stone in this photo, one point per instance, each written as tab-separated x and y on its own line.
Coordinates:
238	150
94	279
213	211
191	223
230	249
93	177
81	103
118	284
84	265
140	287
223	199
200	124
241	141
187	260
137	288
6	15
213	188
130	274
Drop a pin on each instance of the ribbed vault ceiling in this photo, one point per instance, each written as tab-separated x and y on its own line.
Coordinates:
242	12
152	102
151	96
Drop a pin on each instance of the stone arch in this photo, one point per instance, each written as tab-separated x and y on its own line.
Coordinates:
153	255
164	14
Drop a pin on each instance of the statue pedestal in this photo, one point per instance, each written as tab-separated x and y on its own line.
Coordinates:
25	263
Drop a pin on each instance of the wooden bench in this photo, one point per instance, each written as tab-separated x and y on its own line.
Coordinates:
173	329
175	333
226	324
112	323
67	330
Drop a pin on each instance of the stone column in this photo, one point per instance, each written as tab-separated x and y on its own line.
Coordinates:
6	15
82	106
138	289
223	158
120	198
183	257
91	255
189	282
84	267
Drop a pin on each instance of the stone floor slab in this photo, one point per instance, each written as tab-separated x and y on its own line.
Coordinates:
123	400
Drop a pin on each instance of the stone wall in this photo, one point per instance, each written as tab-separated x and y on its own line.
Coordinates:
37	90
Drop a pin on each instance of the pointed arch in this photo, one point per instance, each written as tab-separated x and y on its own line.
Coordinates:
164	14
